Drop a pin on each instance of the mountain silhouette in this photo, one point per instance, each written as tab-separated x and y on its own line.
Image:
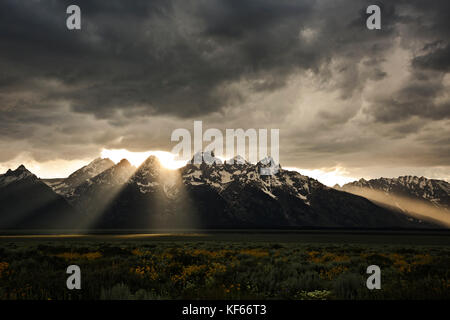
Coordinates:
202	194
26	202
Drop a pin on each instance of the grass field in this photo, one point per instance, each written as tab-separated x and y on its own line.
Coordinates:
227	265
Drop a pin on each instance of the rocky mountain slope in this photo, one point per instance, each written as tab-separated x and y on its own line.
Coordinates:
26	202
411	194
435	192
222	195
66	187
201	194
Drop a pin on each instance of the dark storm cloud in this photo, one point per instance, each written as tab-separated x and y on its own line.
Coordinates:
170	57
438	59
65	92
416	99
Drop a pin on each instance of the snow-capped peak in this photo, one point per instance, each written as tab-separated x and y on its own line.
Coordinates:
267	162
237	160
117	174
205	157
67	186
90	170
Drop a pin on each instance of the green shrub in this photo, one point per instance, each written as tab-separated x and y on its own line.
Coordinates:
348	286
118	292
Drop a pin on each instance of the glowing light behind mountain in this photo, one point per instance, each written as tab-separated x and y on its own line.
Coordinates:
167	159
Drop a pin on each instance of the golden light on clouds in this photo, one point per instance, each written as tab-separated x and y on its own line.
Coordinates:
60	168
167	159
63	168
329	177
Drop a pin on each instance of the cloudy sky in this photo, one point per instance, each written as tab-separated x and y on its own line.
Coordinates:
349	102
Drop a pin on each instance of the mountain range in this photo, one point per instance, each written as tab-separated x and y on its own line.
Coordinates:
104	195
416	196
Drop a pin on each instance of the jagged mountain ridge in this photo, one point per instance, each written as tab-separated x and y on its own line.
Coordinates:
431	191
428	199
286	198
225	195
66	187
435	192
202	195
12	176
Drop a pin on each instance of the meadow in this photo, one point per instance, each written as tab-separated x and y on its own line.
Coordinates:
224	267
